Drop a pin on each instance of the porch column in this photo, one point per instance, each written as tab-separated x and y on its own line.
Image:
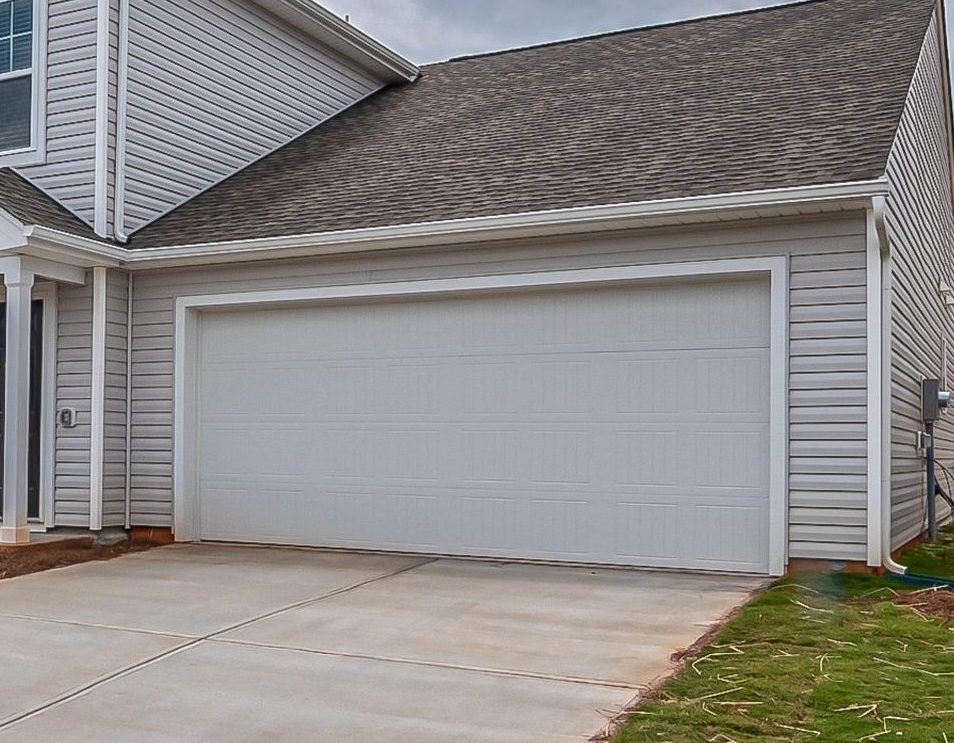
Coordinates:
16	421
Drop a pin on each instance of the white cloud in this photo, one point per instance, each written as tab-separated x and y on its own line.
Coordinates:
432	30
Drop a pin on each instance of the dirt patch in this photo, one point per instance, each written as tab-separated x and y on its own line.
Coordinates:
933	602
33	560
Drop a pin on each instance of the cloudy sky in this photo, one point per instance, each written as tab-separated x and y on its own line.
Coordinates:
434	30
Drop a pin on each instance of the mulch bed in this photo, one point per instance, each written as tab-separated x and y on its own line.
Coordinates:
27	560
934	602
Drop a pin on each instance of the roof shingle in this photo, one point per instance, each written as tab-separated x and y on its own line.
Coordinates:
802	94
31	206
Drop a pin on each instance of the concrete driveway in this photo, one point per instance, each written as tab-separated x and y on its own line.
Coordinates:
235	644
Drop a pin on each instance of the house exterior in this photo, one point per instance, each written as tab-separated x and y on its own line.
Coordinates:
658	298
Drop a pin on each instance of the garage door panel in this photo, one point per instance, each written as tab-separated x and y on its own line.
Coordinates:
728	460
279	451
730	536
648	533
623	425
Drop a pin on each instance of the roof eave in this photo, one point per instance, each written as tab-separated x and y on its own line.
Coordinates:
340	35
589	219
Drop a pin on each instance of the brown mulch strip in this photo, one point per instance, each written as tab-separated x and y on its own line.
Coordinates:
33	560
934	602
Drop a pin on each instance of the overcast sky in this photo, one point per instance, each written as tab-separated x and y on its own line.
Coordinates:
435	30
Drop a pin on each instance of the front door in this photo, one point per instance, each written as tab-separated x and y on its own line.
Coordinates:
36	402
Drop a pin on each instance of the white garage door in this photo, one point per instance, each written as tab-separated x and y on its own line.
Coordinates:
612	425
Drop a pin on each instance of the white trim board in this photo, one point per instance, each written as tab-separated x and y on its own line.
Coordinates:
46	292
97	401
345	38
188	329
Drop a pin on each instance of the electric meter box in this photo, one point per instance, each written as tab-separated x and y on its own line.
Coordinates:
933	400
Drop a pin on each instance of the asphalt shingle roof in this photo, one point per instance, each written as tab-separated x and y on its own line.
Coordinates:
802	94
31	206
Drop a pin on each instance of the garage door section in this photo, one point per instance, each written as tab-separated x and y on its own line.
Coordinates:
624	425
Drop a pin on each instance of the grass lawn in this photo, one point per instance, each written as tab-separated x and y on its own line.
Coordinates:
934	559
817	658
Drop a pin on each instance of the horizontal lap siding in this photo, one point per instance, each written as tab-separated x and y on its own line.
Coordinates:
214	85
827	257
827	413
68	172
73	386
922	244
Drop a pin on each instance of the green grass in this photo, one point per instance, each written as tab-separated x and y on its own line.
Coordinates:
935	559
814	658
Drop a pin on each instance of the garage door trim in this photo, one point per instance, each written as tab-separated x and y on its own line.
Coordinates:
188	325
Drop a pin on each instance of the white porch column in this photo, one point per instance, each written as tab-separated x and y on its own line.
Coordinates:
16	423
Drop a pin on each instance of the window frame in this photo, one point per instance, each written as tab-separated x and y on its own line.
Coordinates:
35	153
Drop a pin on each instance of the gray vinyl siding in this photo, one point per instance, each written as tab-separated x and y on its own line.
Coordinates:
73	378
922	245
828	415
114	442
68	173
214	85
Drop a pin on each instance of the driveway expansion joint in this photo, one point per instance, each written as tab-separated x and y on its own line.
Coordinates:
190	643
94	625
321	597
508	672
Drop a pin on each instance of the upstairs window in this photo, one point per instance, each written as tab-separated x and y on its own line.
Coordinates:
16	74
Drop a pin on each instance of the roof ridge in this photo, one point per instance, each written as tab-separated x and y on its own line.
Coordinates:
782	5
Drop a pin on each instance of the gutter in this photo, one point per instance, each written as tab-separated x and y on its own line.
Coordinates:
589	219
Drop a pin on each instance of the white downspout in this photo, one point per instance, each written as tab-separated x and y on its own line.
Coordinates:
122	74
101	157
880	310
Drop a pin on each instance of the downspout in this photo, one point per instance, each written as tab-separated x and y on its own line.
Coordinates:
122	86
101	149
879	291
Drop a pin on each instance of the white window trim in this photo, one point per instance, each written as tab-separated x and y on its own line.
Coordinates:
35	154
188	327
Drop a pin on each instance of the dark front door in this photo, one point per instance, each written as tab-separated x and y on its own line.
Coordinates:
36	401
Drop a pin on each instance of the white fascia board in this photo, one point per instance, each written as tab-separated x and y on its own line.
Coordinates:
341	36
44	242
83	251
